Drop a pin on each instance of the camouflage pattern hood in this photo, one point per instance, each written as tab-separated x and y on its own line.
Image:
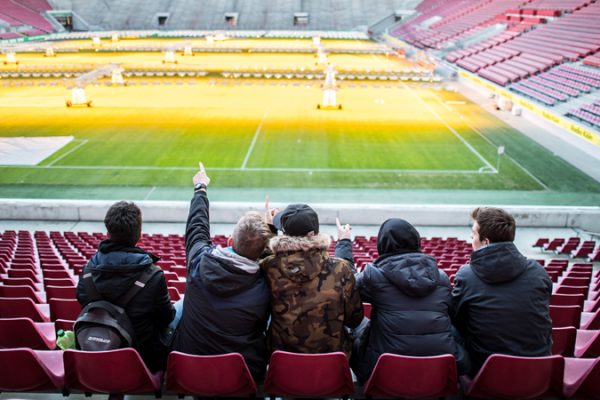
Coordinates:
301	259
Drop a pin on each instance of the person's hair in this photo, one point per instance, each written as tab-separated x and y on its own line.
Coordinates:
495	224
123	222
251	235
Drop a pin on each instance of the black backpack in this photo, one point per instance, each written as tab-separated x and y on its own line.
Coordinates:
103	325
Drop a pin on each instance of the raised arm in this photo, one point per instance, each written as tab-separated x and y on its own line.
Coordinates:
197	230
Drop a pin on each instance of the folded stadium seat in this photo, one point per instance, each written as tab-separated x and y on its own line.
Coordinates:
24	273
27	370
565	316
577	273
22	291
308	375
25	308
553	274
554	243
367	310
59	282
574	281
590	320
565	289
413	377
23	332
180	271
68	309
174	294
224	375
61	292
22	282
591	305
61	273
64	324
582	378
565	300
510	377
119	371
587	344
179	285
563	341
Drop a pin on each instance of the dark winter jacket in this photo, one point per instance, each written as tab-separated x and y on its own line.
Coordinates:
114	270
226	305
410	300
313	295
501	304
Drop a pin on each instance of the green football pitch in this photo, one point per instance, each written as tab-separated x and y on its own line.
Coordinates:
269	134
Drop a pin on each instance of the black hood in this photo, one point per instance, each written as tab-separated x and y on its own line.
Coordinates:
115	268
415	274
220	276
498	262
397	236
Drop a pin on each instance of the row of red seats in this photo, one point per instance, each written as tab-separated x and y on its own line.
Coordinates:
294	375
573	246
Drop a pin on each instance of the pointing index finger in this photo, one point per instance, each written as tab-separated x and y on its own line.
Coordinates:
337	222
201	166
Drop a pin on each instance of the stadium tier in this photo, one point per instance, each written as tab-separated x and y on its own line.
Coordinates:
39	272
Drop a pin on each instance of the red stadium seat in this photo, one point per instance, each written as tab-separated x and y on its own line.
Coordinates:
225	375
582	378
61	292
22	291
590	320
27	370
563	316
68	309
308	375
413	377
25	308
563	341
119	371
567	300
23	332
587	344
510	377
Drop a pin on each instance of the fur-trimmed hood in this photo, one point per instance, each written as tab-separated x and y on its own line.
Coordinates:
300	258
280	244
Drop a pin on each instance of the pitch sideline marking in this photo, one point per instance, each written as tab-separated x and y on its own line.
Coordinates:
83	142
459	137
539	182
256	133
155	168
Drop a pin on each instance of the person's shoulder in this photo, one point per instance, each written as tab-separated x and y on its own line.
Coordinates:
464	272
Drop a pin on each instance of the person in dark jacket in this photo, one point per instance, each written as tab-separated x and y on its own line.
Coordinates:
410	299
501	299
226	305
116	267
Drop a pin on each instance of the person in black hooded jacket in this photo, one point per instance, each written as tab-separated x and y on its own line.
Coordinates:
227	302
115	268
501	300
410	298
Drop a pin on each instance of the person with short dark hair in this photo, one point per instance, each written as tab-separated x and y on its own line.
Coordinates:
501	300
410	298
116	267
313	295
226	304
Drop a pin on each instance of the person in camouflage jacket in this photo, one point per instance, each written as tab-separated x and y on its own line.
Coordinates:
313	295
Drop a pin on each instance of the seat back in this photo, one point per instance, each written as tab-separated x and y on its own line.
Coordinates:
115	371
224	375
22	370
23	332
413	377
567	300
20	291
311	375
563	341
61	292
565	289
64	309
565	316
20	307
503	376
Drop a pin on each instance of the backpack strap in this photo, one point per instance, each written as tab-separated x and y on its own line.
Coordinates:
138	285
88	283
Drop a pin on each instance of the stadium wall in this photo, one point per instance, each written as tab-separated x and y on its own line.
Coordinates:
586	218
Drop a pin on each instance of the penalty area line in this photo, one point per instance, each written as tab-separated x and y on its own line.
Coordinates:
254	138
451	129
83	142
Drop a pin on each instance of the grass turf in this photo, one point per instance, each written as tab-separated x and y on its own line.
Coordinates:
270	134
